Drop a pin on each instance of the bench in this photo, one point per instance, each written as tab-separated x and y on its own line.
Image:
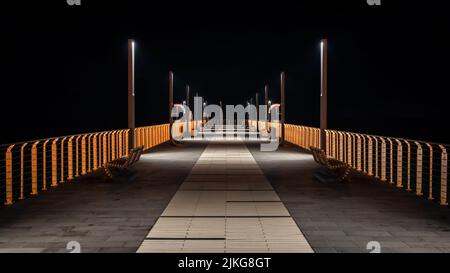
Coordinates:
121	166
337	170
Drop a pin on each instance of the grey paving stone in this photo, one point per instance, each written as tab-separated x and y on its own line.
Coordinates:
364	209
102	216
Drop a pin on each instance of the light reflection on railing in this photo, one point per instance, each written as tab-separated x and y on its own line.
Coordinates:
404	163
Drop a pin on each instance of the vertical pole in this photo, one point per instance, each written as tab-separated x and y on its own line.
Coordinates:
283	105
187	95
170	104
189	118
131	120
266	100
323	90
266	95
257	113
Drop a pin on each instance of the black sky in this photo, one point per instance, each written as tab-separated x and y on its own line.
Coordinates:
63	70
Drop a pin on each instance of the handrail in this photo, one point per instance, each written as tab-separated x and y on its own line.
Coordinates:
29	167
411	165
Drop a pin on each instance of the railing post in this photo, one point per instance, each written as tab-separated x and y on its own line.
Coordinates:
34	169
127	145
376	157
391	161
383	159
120	153
349	149
419	169
61	180
22	170
77	155
443	176
9	176
44	165
105	148
370	156
358	155
54	163
364	154
113	145
409	166
399	164
95	152
89	155
430	189
83	155
70	158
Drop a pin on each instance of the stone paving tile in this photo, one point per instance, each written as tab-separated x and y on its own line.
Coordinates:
258	226
361	211
101	216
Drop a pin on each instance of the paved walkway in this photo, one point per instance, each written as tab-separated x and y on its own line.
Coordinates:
225	205
127	216
101	216
345	217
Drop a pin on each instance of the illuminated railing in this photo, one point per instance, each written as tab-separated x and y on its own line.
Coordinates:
28	168
416	166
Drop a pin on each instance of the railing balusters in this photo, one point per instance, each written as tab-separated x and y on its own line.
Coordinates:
383	159
44	165
70	158
443	175
391	161
61	180
22	170
399	164
34	169
368	154
419	169
9	176
409	166
430	182
54	163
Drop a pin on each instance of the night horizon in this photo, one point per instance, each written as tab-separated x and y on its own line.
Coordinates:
376	84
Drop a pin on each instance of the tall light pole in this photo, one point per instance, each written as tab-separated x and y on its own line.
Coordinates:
257	111
266	100
131	115
266	94
323	91
188	106
170	104
187	95
283	105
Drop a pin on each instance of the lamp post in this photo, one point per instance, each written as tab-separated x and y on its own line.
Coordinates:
170	105
283	105
187	95
257	112
266	98
131	114
323	92
188	112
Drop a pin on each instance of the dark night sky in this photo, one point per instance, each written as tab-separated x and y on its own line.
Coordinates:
63	70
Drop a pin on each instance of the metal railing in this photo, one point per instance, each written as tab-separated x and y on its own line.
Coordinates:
28	168
416	166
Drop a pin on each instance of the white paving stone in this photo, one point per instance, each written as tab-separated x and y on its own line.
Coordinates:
226	204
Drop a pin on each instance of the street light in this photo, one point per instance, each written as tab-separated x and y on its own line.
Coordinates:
131	100
323	91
